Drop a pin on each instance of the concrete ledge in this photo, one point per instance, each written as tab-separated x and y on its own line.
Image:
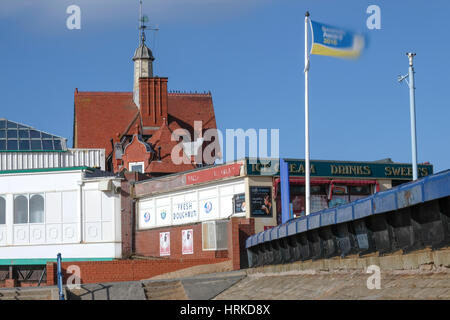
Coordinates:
394	261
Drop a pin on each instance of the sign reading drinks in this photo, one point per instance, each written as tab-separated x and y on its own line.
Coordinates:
340	169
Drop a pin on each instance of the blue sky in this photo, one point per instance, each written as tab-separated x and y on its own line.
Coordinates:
249	54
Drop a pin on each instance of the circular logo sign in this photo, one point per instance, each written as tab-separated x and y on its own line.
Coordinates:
208	207
146	217
163	214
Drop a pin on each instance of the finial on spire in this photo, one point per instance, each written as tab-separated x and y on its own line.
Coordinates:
142	20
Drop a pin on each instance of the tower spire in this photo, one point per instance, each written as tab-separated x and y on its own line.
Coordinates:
143	57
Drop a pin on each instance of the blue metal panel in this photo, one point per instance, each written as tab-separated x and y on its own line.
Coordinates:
328	217
385	201
437	186
409	195
248	242
260	237
254	240
302	225
282	231
362	208
292	227
266	235
274	233
344	213
313	221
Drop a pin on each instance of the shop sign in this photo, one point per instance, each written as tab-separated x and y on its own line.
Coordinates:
231	170
239	203
341	169
261	201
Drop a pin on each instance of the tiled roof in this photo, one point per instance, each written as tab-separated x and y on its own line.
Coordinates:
102	116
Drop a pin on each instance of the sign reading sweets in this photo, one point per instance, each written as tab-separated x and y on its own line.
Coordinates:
342	169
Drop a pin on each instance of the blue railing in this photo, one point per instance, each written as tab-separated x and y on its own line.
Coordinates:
60	278
426	189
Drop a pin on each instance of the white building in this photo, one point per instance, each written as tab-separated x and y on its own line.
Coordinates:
72	211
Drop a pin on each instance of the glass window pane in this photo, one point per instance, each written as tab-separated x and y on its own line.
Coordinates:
35	134
47	144
57	144
24	144
357	190
37	209
2	133
2	210
2	144
12	133
12	125
20	209
45	135
2	124
137	168
12	145
24	133
36	145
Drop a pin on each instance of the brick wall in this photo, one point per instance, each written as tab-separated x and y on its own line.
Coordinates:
147	243
122	270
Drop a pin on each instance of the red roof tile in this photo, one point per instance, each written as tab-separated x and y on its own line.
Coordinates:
101	116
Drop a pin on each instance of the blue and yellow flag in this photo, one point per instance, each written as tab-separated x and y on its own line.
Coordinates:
335	42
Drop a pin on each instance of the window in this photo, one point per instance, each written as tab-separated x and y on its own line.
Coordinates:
20	209
17	137
29	210
2	211
37	209
136	167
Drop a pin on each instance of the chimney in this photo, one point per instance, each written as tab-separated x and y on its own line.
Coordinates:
153	101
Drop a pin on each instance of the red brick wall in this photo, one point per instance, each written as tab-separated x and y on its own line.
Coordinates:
123	270
153	100
147	243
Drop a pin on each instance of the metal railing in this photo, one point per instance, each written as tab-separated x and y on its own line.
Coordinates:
60	279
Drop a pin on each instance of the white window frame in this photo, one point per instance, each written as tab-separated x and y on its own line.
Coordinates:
4	199
140	163
28	196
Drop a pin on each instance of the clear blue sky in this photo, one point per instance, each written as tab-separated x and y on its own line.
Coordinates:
249	54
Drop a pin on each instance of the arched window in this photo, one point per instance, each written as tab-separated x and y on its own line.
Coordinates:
2	210
36	209
20	209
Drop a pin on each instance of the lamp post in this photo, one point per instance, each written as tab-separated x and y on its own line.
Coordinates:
412	109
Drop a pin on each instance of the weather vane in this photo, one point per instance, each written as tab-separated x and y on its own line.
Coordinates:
143	19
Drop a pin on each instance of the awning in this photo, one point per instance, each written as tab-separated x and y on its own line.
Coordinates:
322	181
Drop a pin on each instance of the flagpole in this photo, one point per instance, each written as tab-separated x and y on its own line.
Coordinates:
412	108
307	165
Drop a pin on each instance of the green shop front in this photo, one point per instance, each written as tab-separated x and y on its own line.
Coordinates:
333	182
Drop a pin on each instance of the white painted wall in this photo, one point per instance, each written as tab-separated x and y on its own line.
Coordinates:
196	204
80	220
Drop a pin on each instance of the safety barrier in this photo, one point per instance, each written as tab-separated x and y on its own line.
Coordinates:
408	217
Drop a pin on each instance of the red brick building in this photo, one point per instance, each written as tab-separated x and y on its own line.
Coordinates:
138	129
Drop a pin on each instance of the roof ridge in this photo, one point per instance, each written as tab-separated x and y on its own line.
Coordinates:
194	93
